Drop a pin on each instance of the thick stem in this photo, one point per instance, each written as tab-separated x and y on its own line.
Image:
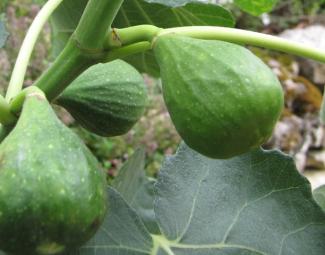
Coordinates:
18	75
95	23
85	47
70	64
247	37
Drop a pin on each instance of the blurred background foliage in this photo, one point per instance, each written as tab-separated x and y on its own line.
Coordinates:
286	14
299	132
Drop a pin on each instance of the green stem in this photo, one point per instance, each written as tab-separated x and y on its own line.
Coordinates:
149	33
127	50
18	75
17	103
247	37
6	116
69	64
85	47
95	23
73	61
130	35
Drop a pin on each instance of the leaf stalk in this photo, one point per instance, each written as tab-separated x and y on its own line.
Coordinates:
19	71
150	33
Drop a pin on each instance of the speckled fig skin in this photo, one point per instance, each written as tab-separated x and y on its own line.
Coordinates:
107	99
52	192
223	100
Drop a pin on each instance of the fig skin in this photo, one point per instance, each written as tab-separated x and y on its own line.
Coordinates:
107	99
223	100
52	191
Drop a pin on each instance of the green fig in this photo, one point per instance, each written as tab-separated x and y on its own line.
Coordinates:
107	99
52	192
223	100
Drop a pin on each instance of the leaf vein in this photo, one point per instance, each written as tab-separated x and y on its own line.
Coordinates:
193	205
233	223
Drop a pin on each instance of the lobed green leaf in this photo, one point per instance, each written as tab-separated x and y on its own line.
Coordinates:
253	204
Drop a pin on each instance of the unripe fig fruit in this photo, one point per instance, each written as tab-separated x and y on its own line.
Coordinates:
222	99
107	99
52	192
